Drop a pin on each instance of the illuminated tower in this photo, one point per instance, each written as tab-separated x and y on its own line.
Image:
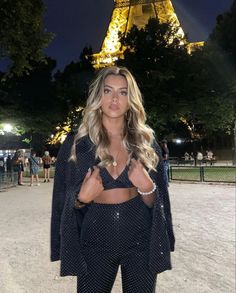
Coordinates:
127	13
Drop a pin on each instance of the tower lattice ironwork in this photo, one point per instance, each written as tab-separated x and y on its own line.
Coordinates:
127	13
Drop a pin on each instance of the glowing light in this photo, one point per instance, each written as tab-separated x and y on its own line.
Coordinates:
127	13
177	140
7	127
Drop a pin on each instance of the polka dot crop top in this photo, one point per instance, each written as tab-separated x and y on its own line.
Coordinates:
122	181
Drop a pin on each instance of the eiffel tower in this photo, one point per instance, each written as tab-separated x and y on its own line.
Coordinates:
127	13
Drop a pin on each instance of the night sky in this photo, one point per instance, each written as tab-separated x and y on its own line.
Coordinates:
77	23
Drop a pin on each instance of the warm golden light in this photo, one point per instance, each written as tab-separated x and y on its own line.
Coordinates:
63	129
127	13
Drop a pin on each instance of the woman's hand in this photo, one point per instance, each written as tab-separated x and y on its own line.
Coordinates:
139	176
91	186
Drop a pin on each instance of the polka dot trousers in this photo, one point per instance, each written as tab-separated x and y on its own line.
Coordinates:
116	235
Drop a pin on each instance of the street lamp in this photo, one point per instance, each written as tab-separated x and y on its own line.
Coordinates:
7	127
178	141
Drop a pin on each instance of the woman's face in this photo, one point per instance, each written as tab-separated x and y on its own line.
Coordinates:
114	101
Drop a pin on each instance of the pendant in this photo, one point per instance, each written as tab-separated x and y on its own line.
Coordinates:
114	163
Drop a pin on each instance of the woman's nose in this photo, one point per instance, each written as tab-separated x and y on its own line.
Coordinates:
114	97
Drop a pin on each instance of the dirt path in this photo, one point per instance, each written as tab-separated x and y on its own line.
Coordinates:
204	260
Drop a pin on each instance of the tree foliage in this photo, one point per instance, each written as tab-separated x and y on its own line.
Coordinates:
30	100
221	49
157	56
179	89
71	87
22	35
224	33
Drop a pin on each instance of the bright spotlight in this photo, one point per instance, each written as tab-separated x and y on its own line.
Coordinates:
7	127
178	141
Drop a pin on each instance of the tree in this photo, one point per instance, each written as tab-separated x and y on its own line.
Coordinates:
157	56
221	50
38	102
72	87
22	36
86	59
181	91
31	101
224	33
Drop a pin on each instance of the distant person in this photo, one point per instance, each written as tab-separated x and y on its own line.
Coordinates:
34	163
54	160
2	165
18	165
186	156
210	155
47	161
199	157
9	164
165	157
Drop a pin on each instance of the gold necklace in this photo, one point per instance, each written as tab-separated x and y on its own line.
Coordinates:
115	160
115	163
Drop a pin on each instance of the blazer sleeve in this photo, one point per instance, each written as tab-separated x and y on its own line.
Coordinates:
164	195
58	197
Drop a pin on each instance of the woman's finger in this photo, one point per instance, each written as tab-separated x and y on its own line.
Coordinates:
96	171
139	163
88	174
99	178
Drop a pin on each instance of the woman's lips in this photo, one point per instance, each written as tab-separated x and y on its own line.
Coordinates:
114	107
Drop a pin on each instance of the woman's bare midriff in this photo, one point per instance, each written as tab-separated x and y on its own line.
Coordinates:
116	195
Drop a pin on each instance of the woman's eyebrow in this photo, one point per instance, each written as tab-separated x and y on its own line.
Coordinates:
106	85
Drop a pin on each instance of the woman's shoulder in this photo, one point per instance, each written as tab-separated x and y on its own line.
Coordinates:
72	135
84	144
69	140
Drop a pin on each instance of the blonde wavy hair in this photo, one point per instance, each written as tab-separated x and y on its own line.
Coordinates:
137	136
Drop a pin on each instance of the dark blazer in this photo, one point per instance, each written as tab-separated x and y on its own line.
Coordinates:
66	221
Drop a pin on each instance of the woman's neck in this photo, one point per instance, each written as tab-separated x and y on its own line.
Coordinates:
114	127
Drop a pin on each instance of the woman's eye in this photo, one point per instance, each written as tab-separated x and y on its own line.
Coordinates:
106	91
124	93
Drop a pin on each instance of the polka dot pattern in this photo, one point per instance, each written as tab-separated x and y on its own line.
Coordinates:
66	221
113	235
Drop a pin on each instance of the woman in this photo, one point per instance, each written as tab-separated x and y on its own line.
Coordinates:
110	200
34	164
47	161
18	165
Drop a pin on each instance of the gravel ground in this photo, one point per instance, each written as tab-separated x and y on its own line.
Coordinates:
204	260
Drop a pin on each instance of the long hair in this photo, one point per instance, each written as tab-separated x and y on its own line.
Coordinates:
137	136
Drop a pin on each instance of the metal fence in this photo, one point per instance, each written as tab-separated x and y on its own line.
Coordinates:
225	174
11	179
41	175
8	179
